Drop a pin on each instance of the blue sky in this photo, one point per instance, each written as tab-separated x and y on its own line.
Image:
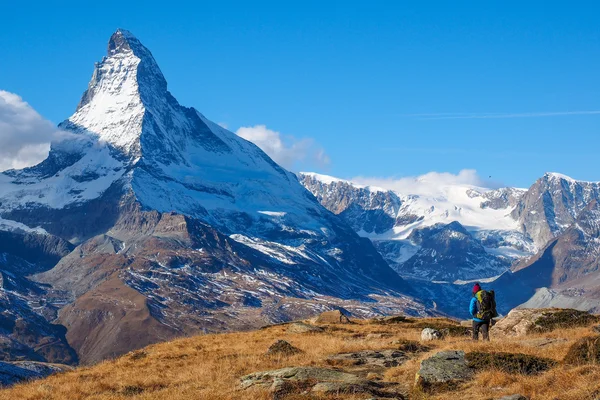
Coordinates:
385	89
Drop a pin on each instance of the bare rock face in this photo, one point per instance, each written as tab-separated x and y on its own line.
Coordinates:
521	322
552	204
570	260
443	370
332	317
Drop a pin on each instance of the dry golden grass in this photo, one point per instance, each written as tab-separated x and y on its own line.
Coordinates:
209	367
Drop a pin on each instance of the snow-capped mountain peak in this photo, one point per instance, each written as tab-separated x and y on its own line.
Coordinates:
125	85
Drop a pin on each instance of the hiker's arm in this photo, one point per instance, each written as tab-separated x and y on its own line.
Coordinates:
473	307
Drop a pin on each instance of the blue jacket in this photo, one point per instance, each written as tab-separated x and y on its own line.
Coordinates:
473	308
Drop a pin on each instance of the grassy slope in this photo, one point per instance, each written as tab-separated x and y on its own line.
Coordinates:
209	367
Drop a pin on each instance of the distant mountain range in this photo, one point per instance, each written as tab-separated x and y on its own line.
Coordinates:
518	241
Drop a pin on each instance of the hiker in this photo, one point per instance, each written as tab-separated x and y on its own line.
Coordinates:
483	309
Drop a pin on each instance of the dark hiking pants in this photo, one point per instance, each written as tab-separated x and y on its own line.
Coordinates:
484	326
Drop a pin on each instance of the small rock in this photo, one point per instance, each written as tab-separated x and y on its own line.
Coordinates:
443	370
429	334
332	317
301	327
596	328
282	348
514	397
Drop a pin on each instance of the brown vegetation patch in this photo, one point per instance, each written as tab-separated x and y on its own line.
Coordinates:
511	363
564	319
413	346
584	351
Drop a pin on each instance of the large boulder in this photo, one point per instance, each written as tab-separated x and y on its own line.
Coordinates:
443	371
524	321
332	317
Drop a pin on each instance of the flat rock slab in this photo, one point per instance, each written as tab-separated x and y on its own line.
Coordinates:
301	327
370	358
443	370
317	380
315	374
514	397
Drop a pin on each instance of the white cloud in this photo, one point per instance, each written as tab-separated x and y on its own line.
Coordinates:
429	184
24	135
285	150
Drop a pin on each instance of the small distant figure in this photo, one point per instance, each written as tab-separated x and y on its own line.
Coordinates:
482	309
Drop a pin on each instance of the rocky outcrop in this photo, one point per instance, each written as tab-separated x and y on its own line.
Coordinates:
316	380
521	322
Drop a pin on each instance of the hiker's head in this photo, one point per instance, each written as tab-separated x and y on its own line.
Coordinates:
476	288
